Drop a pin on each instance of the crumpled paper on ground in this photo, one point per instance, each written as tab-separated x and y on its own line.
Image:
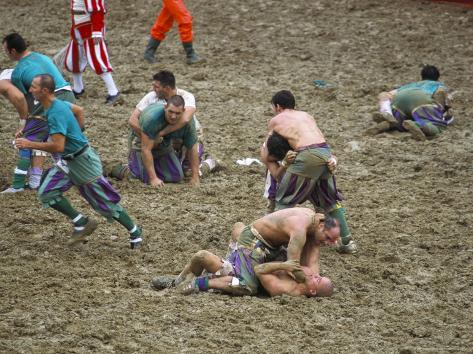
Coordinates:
248	161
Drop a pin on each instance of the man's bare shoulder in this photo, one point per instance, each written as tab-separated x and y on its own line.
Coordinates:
278	117
297	217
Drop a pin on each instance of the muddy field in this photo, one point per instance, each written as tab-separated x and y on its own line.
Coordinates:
409	288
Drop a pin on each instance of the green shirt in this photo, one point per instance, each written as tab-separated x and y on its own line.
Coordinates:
409	99
32	65
152	121
62	121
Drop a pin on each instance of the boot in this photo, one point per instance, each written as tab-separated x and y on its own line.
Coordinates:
191	55
150	50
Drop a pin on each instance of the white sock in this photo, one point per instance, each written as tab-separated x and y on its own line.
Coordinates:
77	218
211	163
110	84
78	83
35	177
385	107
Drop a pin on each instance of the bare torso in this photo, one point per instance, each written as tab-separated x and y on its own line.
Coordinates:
299	128
277	228
283	282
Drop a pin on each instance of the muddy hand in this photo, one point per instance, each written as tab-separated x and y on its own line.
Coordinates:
299	275
19	133
332	164
289	158
291	266
194	182
22	143
156	183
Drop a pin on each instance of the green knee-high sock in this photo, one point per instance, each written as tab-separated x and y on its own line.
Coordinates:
129	224
64	207
339	214
21	170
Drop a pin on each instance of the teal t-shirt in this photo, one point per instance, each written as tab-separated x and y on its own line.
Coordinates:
408	100
62	121
152	121
32	65
428	86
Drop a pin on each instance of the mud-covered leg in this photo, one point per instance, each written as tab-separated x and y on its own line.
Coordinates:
227	284
200	261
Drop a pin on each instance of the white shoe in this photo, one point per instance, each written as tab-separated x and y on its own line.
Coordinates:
349	248
12	190
188	287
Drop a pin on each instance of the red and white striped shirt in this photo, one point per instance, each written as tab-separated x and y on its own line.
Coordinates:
93	11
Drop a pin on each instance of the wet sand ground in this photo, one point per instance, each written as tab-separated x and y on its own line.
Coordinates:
409	288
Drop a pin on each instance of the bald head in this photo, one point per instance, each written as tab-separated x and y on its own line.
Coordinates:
317	285
325	287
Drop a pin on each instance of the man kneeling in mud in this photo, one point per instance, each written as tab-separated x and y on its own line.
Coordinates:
242	272
422	108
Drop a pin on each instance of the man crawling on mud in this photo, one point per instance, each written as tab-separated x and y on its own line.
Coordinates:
151	158
422	108
245	272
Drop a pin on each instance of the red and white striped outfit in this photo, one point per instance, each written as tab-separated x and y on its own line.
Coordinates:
88	23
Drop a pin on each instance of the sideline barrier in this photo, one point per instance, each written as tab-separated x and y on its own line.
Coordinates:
466	3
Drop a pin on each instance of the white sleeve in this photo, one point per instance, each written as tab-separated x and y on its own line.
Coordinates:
6	74
189	99
146	101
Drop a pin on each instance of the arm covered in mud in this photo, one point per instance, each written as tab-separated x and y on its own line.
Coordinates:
134	121
147	145
294	252
274	279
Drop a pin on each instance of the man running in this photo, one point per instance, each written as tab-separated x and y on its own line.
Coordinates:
77	164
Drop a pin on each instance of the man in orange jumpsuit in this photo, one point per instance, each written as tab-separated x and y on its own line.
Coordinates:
173	10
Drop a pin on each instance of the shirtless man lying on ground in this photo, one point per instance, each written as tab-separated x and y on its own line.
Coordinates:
244	270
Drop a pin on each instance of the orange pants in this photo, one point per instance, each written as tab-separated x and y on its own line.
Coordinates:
173	10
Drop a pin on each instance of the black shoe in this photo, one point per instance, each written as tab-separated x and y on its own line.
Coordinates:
78	95
150	50
194	59
136	242
112	100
